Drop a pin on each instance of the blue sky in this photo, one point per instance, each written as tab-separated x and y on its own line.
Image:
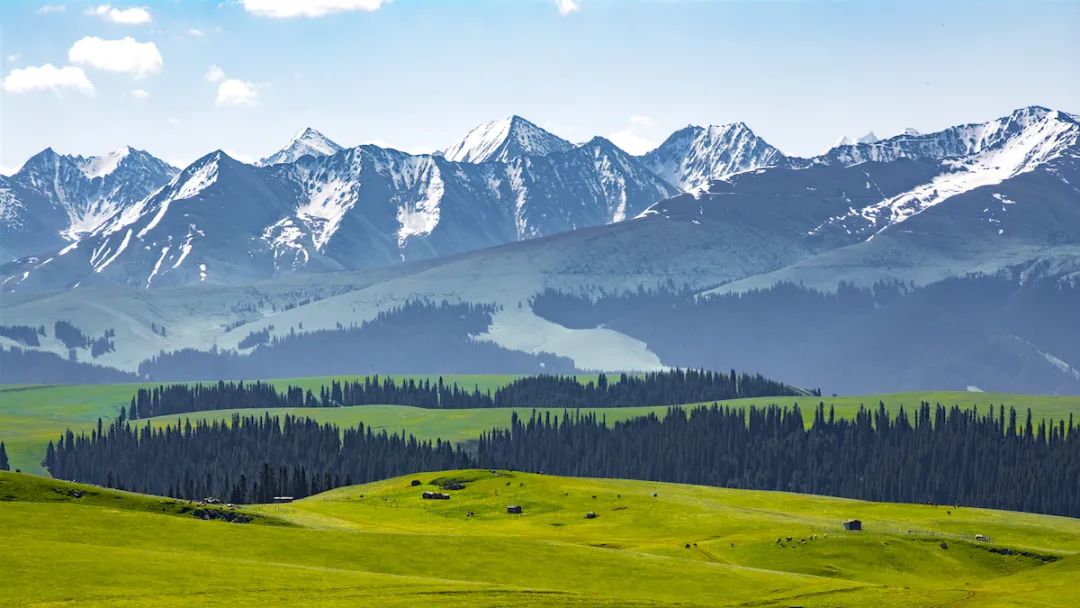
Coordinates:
417	74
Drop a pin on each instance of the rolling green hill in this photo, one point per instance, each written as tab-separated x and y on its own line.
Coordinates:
31	416
650	544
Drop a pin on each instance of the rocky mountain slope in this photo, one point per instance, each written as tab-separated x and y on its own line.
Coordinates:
57	199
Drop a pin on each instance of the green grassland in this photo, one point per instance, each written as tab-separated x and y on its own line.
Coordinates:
31	416
651	544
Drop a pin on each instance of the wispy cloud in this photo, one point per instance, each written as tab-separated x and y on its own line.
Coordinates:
50	9
633	138
565	7
234	92
135	15
47	78
196	33
286	9
631	141
140	94
215	74
125	55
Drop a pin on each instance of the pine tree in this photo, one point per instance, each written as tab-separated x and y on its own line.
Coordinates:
4	464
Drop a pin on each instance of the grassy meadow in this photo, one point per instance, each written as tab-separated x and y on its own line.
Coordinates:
31	416
651	544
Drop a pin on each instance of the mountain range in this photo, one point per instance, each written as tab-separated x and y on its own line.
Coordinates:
317	237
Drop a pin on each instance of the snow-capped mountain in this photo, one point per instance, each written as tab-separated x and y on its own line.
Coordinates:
307	142
201	222
56	199
962	140
693	157
869	138
223	221
966	220
996	151
505	140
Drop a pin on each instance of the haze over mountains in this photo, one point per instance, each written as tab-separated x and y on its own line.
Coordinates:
512	213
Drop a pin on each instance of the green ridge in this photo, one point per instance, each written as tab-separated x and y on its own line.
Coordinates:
381	544
31	416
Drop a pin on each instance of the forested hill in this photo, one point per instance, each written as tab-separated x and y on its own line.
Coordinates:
937	455
875	456
655	388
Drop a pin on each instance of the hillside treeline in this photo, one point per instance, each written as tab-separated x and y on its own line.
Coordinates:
420	337
857	339
28	366
935	455
250	459
670	387
656	388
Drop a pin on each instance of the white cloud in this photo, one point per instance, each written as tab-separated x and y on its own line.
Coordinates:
285	9
125	55
129	16
195	33
415	150
634	137
631	141
565	7
215	74
240	156
52	8
233	92
47	77
14	58
140	93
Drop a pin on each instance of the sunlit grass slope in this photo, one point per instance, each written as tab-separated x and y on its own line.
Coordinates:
650	544
31	416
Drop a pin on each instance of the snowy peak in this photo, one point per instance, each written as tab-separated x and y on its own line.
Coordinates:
308	142
100	166
1000	150
953	142
869	138
96	167
505	140
74	195
694	156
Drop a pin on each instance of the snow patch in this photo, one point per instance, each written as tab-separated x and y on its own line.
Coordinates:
96	167
423	217
123	246
200	180
594	349
157	265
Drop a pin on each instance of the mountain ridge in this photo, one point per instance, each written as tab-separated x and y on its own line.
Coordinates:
328	208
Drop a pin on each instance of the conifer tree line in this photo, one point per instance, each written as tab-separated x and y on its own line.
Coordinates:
251	459
671	387
24	334
937	455
655	388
